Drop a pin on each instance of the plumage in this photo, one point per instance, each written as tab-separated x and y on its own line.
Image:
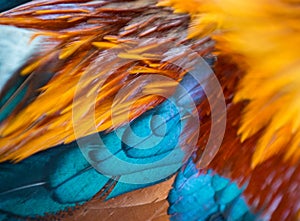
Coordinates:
261	36
84	64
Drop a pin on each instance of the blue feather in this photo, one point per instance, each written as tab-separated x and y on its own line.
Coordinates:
206	196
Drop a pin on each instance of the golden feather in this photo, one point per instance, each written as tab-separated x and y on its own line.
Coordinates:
263	37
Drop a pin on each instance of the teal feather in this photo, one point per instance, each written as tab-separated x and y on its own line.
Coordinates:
61	177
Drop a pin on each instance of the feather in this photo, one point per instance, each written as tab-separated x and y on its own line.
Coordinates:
206	196
76	44
262	133
254	33
270	193
66	176
144	204
57	182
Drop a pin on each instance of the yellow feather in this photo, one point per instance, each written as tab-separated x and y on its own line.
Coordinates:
103	44
266	34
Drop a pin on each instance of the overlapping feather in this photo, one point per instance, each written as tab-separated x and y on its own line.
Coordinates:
262	37
81	34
